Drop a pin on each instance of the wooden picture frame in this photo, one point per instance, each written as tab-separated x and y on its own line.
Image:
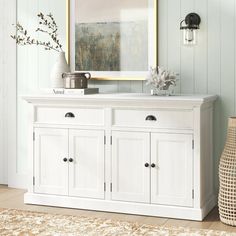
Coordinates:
113	46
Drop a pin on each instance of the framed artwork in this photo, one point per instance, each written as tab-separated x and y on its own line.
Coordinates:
112	39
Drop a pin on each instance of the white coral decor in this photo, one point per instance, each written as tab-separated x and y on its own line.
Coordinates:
161	79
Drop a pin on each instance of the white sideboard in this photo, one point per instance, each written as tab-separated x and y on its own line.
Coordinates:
128	153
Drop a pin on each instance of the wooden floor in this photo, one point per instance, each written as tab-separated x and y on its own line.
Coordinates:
13	198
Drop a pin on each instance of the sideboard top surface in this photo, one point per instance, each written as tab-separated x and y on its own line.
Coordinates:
130	98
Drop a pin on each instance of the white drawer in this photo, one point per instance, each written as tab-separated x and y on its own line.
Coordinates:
78	116
174	119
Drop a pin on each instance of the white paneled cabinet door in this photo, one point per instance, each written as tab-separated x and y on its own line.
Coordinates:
51	167
86	163
171	169
130	176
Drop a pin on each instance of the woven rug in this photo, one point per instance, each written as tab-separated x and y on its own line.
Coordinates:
25	223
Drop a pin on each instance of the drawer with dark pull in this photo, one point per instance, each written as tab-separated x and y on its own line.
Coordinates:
79	116
173	119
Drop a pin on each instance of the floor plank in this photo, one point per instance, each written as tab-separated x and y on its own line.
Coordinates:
13	198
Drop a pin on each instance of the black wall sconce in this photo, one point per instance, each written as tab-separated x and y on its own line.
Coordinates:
190	25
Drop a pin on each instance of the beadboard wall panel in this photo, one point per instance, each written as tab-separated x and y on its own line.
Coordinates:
200	52
209	67
186	54
2	158
172	45
27	80
214	73
7	83
33	69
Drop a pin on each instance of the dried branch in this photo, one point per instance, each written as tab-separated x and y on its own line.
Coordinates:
48	26
52	28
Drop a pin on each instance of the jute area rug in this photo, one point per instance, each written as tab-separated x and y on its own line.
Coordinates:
25	223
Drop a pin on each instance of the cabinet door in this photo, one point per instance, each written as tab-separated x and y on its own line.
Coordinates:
172	176
130	177
86	172
51	172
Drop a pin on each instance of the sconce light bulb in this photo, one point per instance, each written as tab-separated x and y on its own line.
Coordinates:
189	37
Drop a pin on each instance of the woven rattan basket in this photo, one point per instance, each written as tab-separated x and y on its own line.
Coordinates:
227	175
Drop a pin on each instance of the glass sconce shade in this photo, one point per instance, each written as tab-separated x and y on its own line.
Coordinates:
189	37
189	26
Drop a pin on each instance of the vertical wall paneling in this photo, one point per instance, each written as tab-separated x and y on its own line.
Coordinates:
106	86
136	87
174	38
200	51
33	65
187	54
214	72
10	89
1	98
1	95
214	46
163	33
27	80
11	96
124	86
7	86
209	67
227	61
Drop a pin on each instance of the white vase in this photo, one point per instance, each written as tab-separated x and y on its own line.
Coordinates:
58	69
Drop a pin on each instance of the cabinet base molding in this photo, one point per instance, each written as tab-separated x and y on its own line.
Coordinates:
122	207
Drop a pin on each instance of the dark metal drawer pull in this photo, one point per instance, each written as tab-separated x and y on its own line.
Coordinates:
151	118
70	115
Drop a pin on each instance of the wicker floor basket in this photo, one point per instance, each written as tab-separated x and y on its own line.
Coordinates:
227	175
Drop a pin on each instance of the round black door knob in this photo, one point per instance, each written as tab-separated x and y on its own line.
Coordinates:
151	118
65	159
146	165
69	115
153	165
71	160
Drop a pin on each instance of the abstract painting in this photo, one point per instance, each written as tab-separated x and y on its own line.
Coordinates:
111	36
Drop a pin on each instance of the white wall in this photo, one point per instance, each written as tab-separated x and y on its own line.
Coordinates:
7	82
207	68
